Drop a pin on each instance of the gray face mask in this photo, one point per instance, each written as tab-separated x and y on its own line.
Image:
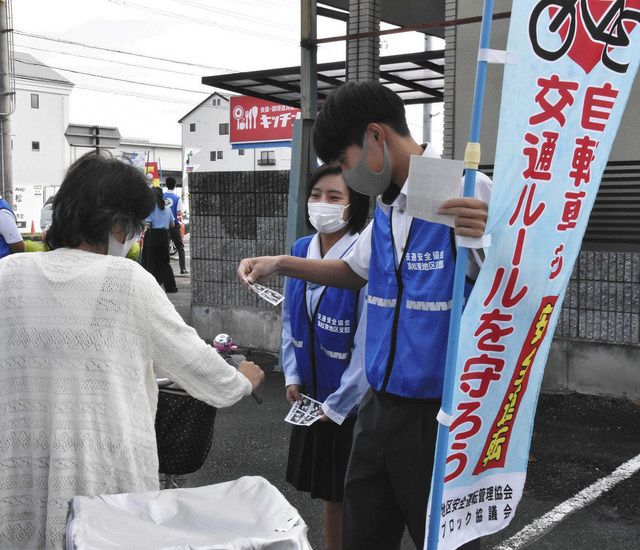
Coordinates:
362	179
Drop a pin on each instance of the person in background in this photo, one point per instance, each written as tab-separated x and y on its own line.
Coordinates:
86	336
174	202
10	239
155	257
46	215
318	328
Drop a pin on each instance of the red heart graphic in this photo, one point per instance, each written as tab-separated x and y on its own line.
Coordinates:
586	51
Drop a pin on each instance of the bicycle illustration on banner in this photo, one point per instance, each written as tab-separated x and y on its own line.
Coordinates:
581	21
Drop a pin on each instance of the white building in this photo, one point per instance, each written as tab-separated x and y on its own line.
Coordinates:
167	155
40	150
205	131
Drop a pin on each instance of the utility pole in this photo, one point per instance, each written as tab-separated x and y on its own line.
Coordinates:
303	158
7	99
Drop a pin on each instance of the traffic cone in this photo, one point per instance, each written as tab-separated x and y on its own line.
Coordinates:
33	228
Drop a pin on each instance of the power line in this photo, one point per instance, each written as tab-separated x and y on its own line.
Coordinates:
207	22
112	50
163	69
106	90
133	94
234	14
114	78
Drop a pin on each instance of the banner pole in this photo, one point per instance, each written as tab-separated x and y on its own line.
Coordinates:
472	160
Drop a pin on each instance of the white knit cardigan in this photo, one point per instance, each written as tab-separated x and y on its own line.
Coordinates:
82	338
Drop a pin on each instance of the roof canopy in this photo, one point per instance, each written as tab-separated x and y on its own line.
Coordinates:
415	77
404	13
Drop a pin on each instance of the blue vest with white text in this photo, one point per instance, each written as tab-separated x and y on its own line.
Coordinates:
5	250
408	308
322	339
171	200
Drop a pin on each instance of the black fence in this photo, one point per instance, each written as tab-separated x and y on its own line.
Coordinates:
234	215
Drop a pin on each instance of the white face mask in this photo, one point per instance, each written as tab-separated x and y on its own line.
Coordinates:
116	248
325	217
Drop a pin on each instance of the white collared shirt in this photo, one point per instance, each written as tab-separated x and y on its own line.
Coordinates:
358	258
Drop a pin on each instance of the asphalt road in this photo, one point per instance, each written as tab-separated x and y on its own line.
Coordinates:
577	440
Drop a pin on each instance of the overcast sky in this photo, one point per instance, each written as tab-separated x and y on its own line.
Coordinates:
223	35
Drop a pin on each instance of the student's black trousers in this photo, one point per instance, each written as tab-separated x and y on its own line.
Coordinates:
389	473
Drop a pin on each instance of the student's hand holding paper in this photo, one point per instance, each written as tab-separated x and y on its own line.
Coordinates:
293	393
470	215
257	270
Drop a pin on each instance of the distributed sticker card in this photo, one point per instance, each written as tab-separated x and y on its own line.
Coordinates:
304	412
271	296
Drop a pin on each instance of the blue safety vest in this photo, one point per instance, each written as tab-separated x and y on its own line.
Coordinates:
171	200
5	250
322	339
408	308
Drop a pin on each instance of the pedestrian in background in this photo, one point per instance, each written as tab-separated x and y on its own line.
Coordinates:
320	356
155	258
10	238
174	202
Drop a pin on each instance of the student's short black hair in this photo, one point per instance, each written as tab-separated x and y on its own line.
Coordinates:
348	111
97	192
359	203
170	182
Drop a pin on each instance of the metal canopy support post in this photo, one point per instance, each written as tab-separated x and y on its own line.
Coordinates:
471	160
363	54
303	158
427	132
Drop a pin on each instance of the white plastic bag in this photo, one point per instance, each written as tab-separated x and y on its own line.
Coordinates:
248	513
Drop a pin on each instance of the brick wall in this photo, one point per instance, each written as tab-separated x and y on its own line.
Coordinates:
602	303
234	215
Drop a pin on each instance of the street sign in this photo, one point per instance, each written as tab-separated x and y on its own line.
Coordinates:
100	137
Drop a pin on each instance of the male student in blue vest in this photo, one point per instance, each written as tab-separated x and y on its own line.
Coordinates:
173	201
409	265
10	239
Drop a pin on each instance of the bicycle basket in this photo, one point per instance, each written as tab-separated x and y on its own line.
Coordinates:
184	432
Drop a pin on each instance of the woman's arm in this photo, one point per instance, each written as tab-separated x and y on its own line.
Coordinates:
289	364
178	353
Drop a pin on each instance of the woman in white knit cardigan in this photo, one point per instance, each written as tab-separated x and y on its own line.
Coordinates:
83	334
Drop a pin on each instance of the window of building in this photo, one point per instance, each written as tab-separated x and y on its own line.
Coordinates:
241	152
35	101
223	128
267	158
35	146
192	127
219	154
212	155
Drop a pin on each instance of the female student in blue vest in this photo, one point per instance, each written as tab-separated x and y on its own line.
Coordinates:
318	329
